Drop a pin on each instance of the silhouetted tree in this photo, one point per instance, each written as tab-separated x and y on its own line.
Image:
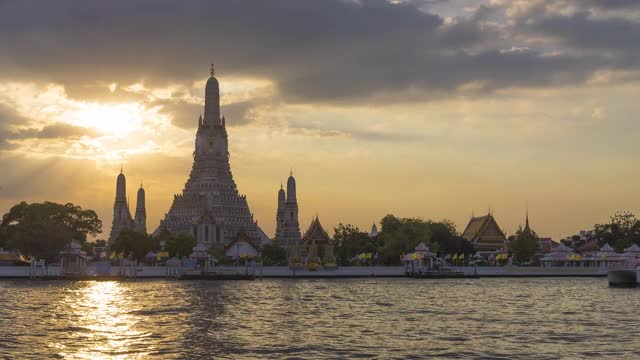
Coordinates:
42	230
273	254
524	244
134	243
349	241
622	231
180	245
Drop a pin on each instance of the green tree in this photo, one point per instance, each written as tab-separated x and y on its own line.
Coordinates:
134	243
273	254
42	230
445	239
349	241
180	245
622	231
524	244
400	236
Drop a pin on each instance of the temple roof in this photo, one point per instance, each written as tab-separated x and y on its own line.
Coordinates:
633	248
589	246
316	230
243	236
483	227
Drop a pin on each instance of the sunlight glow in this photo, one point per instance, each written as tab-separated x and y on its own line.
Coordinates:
119	119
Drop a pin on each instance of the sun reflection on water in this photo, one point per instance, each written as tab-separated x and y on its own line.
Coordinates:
104	314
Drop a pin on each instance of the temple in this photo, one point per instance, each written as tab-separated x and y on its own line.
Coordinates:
317	243
210	207
122	215
287	225
485	234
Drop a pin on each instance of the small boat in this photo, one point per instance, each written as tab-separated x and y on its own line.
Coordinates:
628	276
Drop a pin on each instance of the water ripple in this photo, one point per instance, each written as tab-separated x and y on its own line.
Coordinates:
279	319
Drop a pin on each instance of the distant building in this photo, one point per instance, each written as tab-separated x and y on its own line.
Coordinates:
374	231
122	215
317	237
547	245
485	234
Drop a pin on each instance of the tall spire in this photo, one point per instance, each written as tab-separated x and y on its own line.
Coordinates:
212	71
140	221
291	189
121	187
212	100
526	226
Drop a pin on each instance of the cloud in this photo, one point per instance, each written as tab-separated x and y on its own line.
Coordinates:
8	118
581	31
56	131
331	51
183	114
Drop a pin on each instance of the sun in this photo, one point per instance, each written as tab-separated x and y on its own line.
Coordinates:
110	119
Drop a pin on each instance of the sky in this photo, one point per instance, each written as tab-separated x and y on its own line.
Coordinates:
437	109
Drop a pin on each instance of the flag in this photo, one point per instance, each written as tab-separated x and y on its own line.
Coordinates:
113	255
461	257
355	258
455	257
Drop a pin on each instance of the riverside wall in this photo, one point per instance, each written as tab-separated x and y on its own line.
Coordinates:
92	270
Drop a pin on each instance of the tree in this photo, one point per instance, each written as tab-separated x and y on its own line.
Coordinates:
179	245
42	230
524	244
400	236
622	231
349	241
445	239
134	243
273	254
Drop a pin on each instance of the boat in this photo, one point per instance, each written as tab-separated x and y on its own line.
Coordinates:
623	277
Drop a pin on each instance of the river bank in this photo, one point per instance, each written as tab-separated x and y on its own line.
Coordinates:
94	272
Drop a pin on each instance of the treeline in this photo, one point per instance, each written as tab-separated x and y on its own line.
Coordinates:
398	236
620	232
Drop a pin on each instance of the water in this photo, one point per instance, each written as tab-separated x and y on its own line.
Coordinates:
373	318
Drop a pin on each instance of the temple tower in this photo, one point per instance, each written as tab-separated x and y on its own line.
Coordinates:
280	213
290	225
141	212
210	207
121	213
212	100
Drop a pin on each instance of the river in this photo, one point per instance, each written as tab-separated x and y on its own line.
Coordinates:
343	318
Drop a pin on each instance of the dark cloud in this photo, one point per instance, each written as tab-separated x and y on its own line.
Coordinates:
315	51
240	113
183	114
56	131
581	31
8	119
610	4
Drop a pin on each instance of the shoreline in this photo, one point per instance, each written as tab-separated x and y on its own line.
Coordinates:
284	272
